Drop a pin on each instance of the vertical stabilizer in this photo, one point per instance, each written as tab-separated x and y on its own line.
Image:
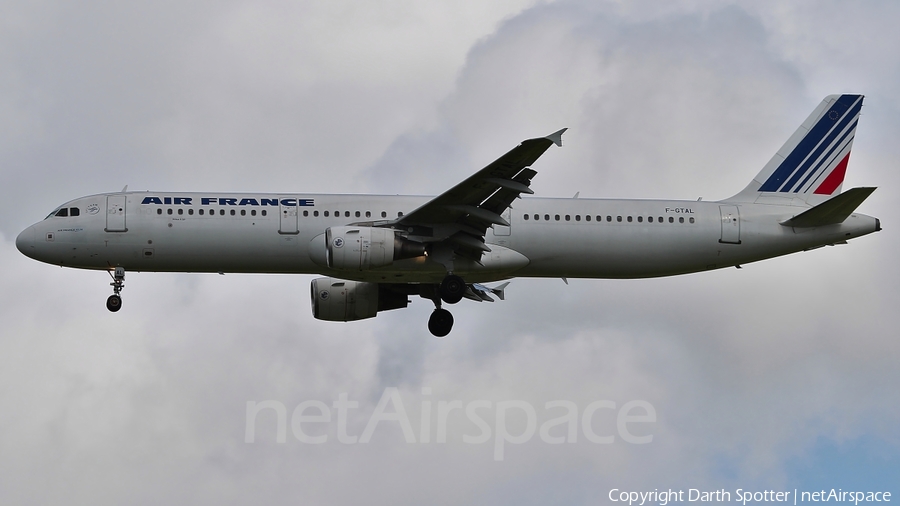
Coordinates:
811	165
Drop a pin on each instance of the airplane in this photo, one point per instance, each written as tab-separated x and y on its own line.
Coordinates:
377	250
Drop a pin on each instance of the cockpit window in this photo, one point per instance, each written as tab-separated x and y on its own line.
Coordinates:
63	212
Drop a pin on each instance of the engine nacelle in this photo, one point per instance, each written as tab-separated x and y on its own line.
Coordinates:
363	248
338	300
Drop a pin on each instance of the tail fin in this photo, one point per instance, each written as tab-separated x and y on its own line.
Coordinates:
810	167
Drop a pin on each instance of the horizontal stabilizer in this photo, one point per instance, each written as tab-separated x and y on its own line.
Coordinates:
832	211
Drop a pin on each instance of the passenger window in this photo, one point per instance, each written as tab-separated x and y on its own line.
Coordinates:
74	211
671	219
325	213
347	214
546	217
640	219
201	212
263	212
556	217
168	211
629	219
384	214
568	218
243	212
253	212
680	219
62	212
357	214
232	212
692	219
618	218
400	214
586	218
660	219
221	212
608	218
525	217
305	214
159	211
649	219
181	211
190	212
368	214
316	213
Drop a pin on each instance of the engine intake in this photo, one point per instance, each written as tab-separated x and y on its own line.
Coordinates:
337	300
363	248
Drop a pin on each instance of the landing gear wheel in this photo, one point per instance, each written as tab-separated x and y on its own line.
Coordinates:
114	303
440	322
452	289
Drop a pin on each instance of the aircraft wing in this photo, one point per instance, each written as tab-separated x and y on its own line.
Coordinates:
463	213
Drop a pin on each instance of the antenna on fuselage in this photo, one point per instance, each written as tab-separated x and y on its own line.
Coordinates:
124	189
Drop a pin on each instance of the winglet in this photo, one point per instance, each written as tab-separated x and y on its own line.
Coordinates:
499	290
556	137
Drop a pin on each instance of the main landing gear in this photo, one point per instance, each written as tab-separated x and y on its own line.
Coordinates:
114	302
451	291
440	322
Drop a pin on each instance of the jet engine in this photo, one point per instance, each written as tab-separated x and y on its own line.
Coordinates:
338	300
362	248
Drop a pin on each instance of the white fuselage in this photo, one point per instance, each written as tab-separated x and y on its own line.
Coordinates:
586	238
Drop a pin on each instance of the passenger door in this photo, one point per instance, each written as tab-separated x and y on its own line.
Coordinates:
115	213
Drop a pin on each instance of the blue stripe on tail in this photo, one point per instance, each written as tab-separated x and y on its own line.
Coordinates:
823	135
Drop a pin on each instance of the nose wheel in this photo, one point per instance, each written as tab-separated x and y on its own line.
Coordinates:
114	302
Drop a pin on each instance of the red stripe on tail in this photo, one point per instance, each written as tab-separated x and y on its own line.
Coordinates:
834	179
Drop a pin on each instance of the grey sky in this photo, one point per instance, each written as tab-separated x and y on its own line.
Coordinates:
749	370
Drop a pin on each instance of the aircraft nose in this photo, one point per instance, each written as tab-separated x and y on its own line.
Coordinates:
25	242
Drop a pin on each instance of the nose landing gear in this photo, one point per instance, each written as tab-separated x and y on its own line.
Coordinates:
114	302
